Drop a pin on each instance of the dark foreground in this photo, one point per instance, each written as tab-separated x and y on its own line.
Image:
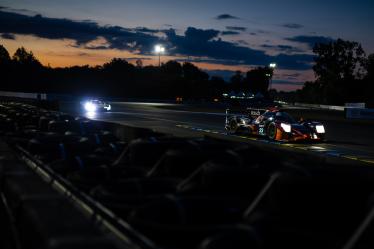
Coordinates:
68	182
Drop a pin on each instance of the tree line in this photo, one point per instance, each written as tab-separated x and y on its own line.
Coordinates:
117	78
343	71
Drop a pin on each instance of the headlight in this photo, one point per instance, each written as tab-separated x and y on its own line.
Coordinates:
286	127
90	107
320	129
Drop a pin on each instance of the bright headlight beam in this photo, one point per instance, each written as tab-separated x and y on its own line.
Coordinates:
320	129
286	127
90	107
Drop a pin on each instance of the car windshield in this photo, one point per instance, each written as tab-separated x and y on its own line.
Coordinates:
284	117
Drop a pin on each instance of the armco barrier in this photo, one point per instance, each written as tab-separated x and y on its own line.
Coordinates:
325	107
41	96
332	107
359	113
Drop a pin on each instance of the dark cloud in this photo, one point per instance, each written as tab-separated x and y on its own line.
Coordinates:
283	48
310	40
236	28
198	44
253	33
200	34
82	32
147	30
8	36
230	33
293	25
294	61
225	17
23	11
195	42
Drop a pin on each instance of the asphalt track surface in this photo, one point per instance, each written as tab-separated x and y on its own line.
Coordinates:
346	139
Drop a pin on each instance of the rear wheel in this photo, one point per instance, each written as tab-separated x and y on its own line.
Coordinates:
272	131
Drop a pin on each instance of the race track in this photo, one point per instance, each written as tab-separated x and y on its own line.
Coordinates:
345	139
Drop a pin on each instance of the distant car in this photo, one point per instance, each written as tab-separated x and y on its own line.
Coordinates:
95	105
274	124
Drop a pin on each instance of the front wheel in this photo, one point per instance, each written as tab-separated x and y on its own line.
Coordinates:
233	127
272	131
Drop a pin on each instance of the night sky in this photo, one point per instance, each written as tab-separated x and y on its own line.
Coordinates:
218	36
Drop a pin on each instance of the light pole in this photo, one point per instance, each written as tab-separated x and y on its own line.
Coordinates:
159	49
272	66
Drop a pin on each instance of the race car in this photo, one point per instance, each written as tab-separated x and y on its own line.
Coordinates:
95	105
274	124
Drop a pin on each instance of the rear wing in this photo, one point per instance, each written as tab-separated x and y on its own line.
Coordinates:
250	112
255	112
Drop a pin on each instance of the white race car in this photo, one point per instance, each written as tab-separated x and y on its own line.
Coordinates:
96	106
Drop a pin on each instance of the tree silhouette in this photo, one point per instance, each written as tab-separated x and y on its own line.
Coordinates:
369	80
191	72
5	68
28	71
339	60
4	56
117	65
139	63
370	67
22	57
337	66
173	68
217	86
257	80
236	82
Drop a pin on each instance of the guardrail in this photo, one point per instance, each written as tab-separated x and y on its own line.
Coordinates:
41	96
70	97
332	107
325	107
